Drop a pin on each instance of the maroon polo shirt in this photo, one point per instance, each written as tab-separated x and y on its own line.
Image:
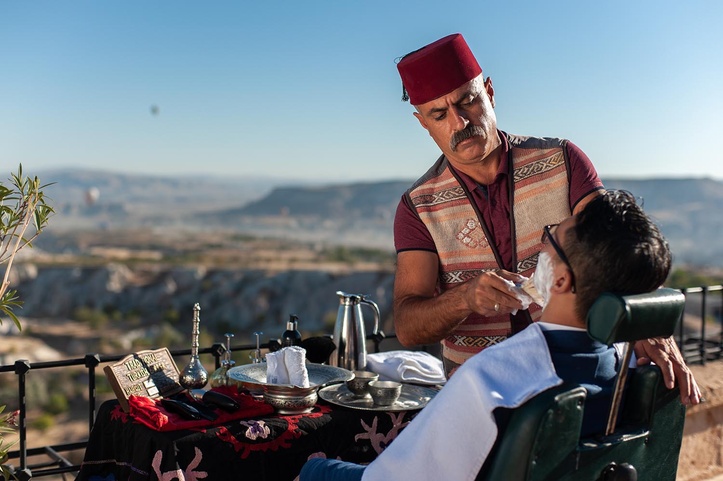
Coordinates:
410	233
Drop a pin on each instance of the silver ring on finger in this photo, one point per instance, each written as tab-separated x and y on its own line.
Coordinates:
497	307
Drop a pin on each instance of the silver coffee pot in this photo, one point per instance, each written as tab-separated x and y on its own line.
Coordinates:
350	332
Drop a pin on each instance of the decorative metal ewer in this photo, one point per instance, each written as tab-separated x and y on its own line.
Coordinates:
194	375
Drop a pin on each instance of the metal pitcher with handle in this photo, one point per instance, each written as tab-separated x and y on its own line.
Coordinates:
350	332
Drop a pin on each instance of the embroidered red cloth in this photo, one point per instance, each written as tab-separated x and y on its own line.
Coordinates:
151	413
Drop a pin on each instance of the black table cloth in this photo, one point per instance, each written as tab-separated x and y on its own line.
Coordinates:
270	447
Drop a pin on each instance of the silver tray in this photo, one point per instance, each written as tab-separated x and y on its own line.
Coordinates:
285	398
253	377
411	398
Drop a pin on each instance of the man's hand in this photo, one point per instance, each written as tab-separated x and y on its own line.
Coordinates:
489	294
664	352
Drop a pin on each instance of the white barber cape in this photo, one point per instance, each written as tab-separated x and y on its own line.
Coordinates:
452	436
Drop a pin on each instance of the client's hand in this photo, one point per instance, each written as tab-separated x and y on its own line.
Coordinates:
664	352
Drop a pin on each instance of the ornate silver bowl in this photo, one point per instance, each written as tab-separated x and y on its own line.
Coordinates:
285	398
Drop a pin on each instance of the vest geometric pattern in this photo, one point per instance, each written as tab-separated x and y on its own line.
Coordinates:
540	196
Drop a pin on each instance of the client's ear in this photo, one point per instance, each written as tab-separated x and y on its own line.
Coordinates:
563	282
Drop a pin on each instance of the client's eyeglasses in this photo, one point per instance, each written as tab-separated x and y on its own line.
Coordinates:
547	234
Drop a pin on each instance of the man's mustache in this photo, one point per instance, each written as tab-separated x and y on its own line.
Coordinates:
466	133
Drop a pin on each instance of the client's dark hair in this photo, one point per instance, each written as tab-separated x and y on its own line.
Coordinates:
615	247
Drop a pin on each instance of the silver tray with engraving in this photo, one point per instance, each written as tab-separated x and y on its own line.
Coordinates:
285	398
253	376
412	398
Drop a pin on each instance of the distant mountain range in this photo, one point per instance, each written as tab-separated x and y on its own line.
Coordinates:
687	210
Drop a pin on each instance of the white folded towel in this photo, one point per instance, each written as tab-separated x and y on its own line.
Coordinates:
407	366
287	366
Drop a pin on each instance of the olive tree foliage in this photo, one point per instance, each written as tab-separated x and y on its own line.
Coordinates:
8	422
23	215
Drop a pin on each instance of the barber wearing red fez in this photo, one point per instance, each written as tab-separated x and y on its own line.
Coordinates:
470	229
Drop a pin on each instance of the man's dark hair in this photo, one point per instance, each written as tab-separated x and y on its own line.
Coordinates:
615	247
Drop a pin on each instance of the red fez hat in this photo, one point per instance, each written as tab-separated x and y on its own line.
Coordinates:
437	69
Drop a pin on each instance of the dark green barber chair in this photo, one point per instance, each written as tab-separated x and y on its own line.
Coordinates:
542	439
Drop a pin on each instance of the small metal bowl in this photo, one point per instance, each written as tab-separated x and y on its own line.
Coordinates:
285	398
291	399
385	393
359	385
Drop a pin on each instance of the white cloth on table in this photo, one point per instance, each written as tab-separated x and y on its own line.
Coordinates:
452	436
407	366
287	366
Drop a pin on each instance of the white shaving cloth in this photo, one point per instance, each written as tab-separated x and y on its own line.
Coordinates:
287	366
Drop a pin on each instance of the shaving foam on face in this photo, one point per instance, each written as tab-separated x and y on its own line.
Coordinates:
542	279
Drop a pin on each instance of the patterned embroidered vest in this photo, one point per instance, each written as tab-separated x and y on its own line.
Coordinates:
540	196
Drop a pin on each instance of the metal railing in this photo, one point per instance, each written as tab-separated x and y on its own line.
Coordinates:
705	342
55	463
699	345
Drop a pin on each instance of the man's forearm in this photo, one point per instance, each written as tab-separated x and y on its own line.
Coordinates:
427	320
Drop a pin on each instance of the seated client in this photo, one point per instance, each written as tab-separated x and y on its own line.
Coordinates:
610	246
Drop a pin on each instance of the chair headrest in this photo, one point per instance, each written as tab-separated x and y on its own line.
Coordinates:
615	318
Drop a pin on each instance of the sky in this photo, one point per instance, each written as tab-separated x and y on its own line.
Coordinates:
309	89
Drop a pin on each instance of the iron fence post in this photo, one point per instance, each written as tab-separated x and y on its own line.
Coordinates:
720	322
703	348
217	350
681	328
22	366
91	362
